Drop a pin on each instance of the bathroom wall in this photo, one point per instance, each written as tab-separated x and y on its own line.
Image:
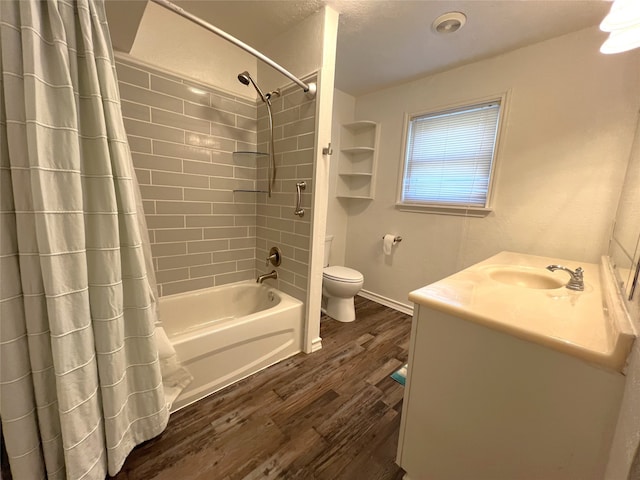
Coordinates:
569	127
182	136
337	216
177	45
124	20
299	50
294	136
307	48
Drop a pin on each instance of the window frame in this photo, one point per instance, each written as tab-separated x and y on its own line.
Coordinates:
441	208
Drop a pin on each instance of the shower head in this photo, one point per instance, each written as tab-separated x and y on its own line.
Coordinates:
245	79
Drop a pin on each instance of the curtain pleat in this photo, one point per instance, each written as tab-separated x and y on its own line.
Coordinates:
80	372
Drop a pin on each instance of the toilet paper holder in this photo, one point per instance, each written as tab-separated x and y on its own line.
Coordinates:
396	239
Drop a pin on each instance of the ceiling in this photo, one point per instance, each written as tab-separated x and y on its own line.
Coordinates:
385	42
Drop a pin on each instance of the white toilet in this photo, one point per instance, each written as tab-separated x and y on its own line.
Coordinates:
339	286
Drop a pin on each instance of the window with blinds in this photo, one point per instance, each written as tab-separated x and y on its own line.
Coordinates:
449	156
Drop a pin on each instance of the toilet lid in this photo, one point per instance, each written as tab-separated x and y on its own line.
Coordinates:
343	274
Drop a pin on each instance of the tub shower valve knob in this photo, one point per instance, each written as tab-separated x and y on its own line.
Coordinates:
275	257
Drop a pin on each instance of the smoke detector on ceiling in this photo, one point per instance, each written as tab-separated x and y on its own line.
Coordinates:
449	22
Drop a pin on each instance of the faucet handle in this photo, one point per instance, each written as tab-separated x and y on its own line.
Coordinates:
275	257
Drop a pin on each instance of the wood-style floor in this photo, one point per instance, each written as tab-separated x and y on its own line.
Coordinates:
334	414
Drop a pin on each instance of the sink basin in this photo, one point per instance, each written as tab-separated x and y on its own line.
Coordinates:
526	277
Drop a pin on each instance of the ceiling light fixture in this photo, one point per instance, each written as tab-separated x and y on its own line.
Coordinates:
449	22
623	25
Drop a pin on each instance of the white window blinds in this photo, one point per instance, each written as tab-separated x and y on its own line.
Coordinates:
449	156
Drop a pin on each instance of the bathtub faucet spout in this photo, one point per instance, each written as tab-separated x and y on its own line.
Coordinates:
262	278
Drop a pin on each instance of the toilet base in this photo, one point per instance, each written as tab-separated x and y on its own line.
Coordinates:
341	309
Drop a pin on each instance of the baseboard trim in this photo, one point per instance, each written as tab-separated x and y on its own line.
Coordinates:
387	302
316	344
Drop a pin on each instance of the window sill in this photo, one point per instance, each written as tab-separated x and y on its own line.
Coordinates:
444	209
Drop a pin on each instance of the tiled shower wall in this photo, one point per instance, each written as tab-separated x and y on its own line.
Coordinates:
182	136
294	126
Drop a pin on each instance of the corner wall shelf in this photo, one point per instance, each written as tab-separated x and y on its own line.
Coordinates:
357	160
356	174
358	149
244	153
248	158
355	197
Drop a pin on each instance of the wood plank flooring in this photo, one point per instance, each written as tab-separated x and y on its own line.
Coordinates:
334	414
330	415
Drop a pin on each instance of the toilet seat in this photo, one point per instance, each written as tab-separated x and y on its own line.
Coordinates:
342	274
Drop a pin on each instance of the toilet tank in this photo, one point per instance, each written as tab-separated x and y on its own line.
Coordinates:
327	249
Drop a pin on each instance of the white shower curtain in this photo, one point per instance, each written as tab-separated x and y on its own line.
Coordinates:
81	377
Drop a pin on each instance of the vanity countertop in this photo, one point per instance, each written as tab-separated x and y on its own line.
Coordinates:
592	325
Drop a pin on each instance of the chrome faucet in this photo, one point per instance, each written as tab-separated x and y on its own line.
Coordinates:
275	257
262	278
577	280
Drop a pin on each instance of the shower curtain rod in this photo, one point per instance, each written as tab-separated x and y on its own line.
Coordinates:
308	88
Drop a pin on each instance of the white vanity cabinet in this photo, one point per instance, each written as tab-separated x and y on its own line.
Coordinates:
483	402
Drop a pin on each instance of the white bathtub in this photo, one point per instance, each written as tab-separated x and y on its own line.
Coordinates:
223	334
